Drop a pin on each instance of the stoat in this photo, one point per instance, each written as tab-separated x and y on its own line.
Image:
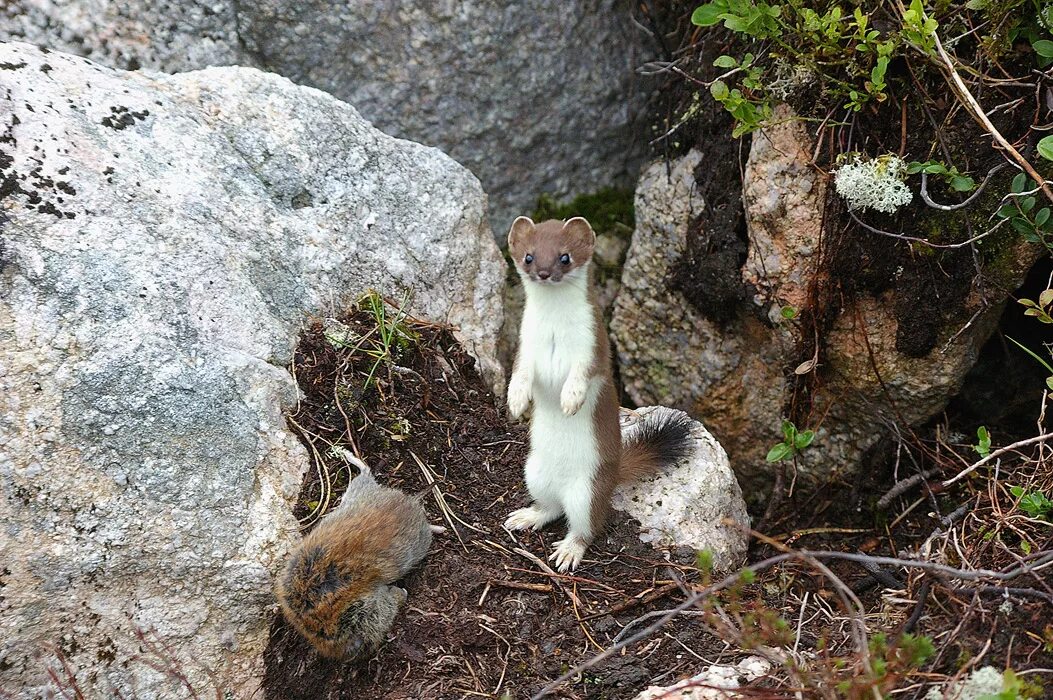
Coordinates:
563	365
336	586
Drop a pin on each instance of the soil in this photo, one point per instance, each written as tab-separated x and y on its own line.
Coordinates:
481	620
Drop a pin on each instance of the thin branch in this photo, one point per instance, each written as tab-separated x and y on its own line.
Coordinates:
951	207
997	453
925	241
904	486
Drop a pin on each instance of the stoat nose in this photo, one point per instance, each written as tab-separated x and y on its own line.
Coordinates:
544	274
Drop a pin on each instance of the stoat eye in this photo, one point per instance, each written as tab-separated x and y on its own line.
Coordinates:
528	259
565	259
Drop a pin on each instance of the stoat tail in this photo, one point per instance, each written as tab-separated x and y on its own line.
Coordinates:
660	441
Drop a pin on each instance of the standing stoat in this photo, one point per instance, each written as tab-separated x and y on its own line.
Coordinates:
563	365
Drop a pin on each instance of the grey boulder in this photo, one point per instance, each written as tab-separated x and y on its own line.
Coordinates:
164	239
535	97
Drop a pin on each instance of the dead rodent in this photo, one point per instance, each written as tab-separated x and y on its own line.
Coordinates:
336	587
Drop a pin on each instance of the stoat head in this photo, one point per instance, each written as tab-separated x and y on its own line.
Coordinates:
552	251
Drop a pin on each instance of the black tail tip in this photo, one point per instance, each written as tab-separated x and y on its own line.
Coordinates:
669	434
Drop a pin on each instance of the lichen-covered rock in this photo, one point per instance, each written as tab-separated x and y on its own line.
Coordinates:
163	240
883	357
687	505
535	97
783	192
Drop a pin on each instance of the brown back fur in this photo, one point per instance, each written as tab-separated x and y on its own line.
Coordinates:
345	558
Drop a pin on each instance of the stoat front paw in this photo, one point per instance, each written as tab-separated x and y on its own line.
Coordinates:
568	553
526	519
572	396
518	396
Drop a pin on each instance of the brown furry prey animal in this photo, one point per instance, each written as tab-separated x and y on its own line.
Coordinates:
336	586
563	366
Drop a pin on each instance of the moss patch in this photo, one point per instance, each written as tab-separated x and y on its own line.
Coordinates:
608	210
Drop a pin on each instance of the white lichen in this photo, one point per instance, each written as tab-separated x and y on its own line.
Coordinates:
983	682
789	79
873	184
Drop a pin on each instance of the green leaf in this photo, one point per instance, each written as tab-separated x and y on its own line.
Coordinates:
709	14
1026	302
1042	217
1049	383
983	446
779	452
1043	47
1006	210
1045	146
962	183
1019	182
788	312
1027	204
789	431
804	439
719	90
1022	225
725	61
915	167
1045	298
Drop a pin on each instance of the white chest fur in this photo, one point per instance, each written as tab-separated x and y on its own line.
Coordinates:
557	333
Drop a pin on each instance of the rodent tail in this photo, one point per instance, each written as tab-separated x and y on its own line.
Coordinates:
658	442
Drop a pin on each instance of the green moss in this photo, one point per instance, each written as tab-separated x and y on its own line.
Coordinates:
609	209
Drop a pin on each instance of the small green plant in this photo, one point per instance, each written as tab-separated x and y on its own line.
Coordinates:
392	334
1033	226
793	442
919	29
750	114
704	562
955	180
1034	503
789	312
844	52
983	444
1040	309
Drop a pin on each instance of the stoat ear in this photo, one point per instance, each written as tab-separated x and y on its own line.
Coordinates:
579	228
522	226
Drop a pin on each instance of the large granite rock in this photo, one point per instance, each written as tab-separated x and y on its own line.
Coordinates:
668	352
163	239
892	352
535	97
695	504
